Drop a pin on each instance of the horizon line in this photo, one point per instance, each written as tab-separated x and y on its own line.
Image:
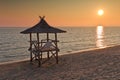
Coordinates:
54	26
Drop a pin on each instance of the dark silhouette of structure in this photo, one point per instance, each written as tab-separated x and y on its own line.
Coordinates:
39	47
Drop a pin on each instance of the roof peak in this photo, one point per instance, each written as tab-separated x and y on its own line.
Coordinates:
41	17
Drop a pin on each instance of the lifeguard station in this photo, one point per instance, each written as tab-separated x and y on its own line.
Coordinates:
40	46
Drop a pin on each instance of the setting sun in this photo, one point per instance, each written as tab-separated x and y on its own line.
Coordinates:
100	12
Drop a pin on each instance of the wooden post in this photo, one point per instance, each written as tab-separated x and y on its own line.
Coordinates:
56	47
56	40
47	36
38	40
39	59
48	56
31	59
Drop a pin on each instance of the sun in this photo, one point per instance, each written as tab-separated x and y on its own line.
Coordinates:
100	12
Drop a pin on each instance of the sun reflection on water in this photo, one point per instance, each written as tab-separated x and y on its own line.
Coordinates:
100	37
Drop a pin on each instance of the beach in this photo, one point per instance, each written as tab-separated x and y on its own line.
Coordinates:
60	40
96	64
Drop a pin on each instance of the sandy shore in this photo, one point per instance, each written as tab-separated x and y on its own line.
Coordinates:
100	64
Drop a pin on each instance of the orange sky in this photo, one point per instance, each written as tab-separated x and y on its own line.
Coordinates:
25	13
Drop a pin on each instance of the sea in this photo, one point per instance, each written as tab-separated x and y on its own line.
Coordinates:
14	46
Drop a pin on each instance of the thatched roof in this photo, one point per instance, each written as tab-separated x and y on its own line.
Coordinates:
42	27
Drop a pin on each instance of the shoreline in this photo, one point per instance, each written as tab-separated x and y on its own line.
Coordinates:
73	52
98	64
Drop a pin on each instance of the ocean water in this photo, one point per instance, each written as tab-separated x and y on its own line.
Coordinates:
14	46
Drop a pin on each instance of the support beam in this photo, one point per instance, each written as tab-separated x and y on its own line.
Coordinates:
47	36
31	59
56	47
38	40
39	58
56	40
48	56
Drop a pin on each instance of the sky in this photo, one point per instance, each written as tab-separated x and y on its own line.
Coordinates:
25	13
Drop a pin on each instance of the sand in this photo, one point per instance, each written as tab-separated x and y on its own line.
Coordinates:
99	64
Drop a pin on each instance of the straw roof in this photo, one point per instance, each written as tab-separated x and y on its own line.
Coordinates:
42	27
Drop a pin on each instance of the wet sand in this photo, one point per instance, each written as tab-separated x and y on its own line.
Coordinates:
99	64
